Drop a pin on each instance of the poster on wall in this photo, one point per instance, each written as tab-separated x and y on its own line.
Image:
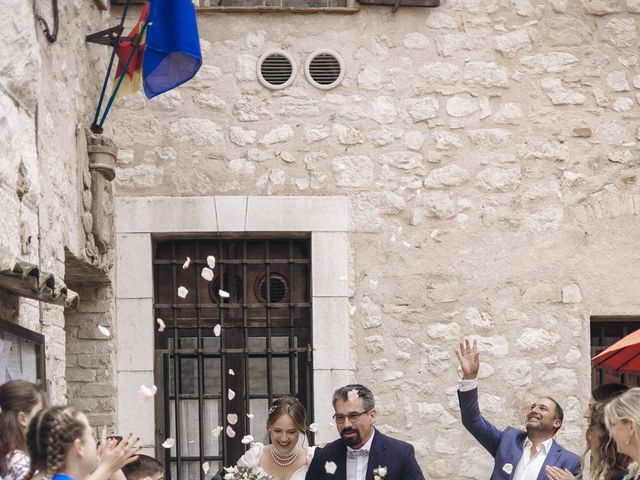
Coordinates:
17	359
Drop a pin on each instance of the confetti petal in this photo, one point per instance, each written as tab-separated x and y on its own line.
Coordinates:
232	418
205	467
104	331
223	294
182	292
168	443
313	427
216	431
161	325
230	432
211	261
352	395
247	439
231	372
352	310
216	330
231	394
330	467
144	393
250	415
332	424
186	263
207	274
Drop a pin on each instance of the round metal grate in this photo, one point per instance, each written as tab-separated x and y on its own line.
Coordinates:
279	288
275	69
324	69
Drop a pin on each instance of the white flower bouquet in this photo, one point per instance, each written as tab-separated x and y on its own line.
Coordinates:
243	473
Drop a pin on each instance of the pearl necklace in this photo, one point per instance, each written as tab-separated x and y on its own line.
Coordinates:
286	459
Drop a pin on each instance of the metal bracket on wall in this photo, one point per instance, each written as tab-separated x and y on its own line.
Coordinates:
110	37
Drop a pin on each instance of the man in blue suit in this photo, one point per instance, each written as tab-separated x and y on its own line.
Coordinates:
362	452
519	455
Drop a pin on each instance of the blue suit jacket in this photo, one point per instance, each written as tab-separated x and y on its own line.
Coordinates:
506	446
398	456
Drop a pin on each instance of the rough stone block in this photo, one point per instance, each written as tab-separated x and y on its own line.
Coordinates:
543	293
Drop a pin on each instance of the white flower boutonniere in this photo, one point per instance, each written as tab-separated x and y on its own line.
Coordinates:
507	468
379	473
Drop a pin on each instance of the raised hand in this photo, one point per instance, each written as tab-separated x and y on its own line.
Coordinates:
557	473
114	455
469	359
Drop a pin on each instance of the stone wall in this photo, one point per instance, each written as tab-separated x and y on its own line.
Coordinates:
47	93
489	152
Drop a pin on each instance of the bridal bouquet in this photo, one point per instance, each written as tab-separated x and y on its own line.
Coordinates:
243	473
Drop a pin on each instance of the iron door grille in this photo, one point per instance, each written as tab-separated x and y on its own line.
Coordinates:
263	349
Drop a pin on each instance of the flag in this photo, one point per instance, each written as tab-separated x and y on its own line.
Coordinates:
172	54
133	75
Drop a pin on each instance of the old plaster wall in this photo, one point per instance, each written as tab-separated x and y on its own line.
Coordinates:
47	96
489	151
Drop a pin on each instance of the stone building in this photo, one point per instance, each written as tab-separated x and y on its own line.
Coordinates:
471	171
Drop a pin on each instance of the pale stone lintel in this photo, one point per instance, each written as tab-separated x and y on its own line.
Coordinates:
134	416
232	213
325	382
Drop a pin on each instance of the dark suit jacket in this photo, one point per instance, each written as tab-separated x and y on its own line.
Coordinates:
506	446
398	456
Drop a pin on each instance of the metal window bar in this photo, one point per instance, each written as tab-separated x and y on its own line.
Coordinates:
606	333
175	349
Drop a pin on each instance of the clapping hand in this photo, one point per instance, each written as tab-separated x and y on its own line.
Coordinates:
469	359
114	455
557	473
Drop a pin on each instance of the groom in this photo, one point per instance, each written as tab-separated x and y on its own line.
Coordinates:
362	452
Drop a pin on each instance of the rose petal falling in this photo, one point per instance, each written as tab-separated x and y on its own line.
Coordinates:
247	439
144	393
231	394
332	424
231	372
313	427
223	294
161	325
207	274
352	310
230	432
232	418
104	331
186	263
211	261
182	292
216	330
352	395
169	443
205	467
250	415
216	431
330	467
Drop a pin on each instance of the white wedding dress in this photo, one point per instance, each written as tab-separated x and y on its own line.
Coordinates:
251	459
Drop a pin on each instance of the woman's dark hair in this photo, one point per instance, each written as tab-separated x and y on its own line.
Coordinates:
16	396
608	391
290	405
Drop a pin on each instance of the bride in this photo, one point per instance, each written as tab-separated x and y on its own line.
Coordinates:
286	457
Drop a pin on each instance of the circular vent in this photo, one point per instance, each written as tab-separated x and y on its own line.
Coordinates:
275	69
236	295
324	69
278	286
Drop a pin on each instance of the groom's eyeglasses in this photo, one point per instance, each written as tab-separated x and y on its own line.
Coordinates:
353	416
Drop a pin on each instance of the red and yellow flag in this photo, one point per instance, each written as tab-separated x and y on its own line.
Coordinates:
133	75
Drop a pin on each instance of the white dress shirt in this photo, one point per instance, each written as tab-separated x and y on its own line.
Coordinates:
357	465
529	466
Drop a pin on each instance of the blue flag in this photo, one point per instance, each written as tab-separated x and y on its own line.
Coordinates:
172	54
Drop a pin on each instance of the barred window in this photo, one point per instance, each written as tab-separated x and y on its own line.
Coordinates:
223	359
605	331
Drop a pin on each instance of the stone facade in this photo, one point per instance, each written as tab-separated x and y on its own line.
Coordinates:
489	154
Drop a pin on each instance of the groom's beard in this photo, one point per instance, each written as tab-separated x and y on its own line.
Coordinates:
351	441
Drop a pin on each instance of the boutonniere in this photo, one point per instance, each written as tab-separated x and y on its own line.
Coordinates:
507	468
379	473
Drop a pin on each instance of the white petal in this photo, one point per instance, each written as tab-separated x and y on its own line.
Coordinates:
250	415
330	467
216	330
168	443
104	331
223	294
144	393
247	439
216	431
352	395
207	274
406	244
211	261
313	427
231	394
182	292
352	310
161	325
231	372
232	418
332	424
205	467
230	432
186	263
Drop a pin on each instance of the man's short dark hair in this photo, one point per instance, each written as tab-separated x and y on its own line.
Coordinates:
144	466
559	411
368	402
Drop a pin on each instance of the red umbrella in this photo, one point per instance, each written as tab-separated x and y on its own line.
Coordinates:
622	357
